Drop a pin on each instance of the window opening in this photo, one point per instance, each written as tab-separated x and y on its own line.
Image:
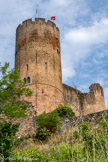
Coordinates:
16	53
42	91
57	51
27	67
45	65
28	80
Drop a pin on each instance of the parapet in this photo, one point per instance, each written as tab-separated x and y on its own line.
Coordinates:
38	21
96	87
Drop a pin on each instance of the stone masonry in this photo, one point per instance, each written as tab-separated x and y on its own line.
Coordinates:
38	58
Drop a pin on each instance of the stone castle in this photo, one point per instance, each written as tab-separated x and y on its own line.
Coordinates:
38	58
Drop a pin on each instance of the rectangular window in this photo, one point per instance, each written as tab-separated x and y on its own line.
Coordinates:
27	67
42	91
28	80
45	65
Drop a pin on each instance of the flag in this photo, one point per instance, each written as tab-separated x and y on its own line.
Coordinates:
53	18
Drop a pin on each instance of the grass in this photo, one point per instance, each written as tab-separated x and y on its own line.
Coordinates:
86	144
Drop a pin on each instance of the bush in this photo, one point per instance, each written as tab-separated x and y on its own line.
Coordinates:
7	131
46	124
64	111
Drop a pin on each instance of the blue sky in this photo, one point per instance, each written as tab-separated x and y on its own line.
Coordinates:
83	28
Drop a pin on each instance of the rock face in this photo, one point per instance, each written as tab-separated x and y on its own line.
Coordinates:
38	58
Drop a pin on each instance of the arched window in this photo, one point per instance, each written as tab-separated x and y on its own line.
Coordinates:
28	80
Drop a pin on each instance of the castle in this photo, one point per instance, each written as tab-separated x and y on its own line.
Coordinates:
38	58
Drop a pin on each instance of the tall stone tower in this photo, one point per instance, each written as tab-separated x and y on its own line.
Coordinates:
38	58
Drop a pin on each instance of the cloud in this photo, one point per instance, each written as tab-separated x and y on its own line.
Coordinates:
78	43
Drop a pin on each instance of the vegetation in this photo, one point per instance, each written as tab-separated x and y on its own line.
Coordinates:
11	88
7	131
47	124
9	93
50	123
64	111
86	144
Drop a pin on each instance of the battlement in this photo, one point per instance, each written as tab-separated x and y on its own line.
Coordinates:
96	87
37	22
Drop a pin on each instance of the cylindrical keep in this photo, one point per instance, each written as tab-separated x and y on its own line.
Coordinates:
38	58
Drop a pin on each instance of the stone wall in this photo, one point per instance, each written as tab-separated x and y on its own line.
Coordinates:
27	125
38	56
45	97
84	103
71	97
93	119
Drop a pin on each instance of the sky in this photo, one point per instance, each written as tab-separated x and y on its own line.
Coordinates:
83	28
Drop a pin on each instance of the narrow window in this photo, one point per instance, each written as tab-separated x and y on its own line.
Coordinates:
25	80
27	67
45	65
56	39
28	80
58	52
42	91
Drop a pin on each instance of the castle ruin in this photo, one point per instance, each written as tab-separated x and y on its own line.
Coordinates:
38	58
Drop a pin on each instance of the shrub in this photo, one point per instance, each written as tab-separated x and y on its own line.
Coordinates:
64	111
46	124
7	131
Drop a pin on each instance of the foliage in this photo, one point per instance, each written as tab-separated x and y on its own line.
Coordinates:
28	155
88	143
64	111
11	88
47	123
7	131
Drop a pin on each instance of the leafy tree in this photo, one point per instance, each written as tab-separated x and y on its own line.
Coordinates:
7	131
11	89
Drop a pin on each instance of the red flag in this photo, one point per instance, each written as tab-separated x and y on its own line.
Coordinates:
53	18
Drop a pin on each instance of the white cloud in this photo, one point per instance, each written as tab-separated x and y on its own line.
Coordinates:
79	42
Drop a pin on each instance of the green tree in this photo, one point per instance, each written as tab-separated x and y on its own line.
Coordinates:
11	89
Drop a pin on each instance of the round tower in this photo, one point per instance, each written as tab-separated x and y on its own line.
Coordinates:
38	58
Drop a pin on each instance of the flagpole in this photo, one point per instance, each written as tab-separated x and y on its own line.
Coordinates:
36	12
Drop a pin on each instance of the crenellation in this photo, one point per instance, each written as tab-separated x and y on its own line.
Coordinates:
50	23
96	87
